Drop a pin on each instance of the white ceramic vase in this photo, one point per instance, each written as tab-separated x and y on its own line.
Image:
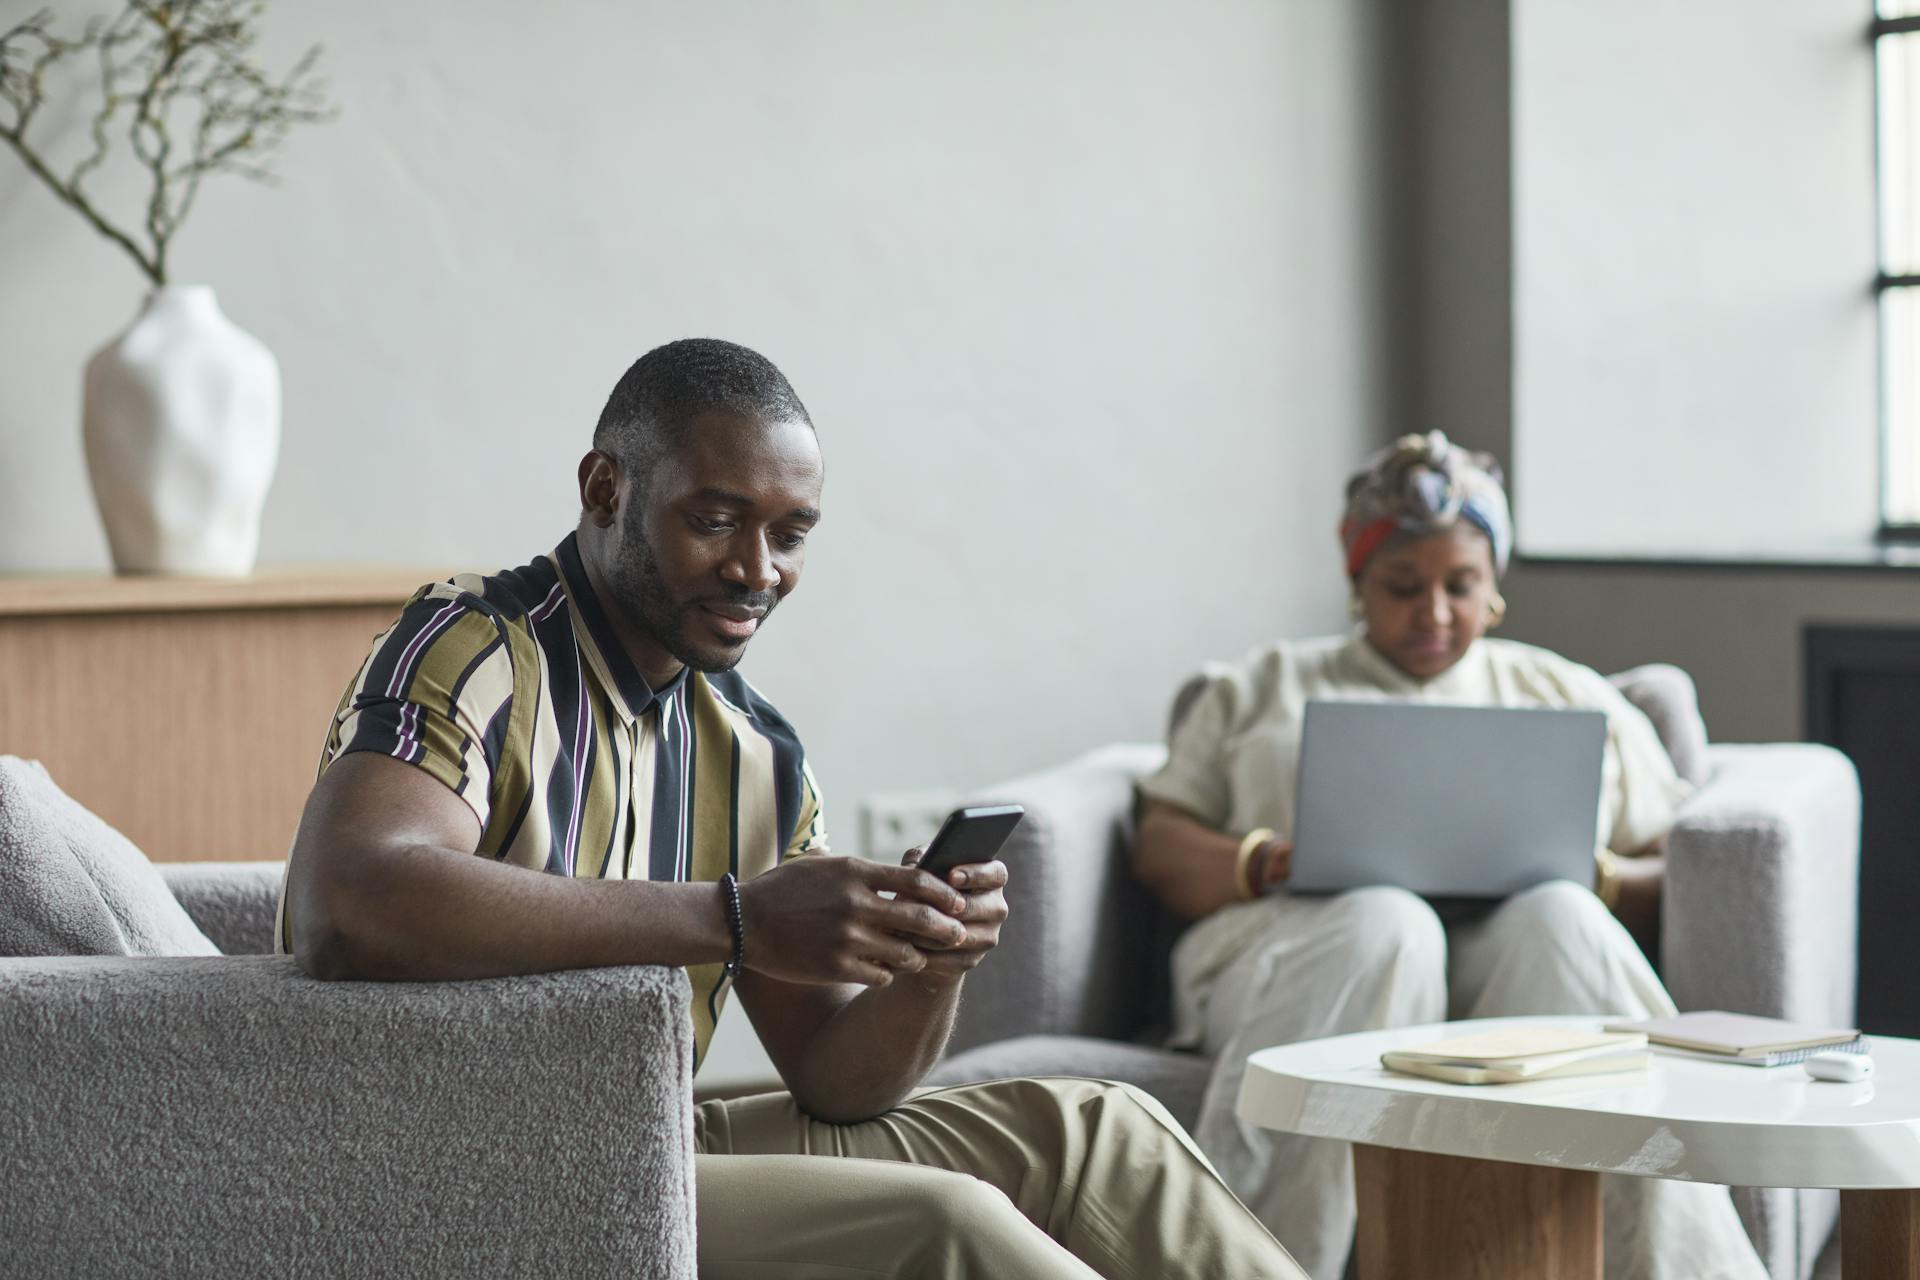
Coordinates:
182	425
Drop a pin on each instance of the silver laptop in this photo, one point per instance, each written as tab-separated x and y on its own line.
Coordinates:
1470	802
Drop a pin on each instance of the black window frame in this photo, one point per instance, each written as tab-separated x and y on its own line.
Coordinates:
1891	530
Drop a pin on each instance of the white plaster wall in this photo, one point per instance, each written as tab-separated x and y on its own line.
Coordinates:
1694	357
1082	297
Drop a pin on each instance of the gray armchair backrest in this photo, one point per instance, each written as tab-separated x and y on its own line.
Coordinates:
1085	947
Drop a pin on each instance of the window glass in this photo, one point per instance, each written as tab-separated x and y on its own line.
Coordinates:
1899	177
1900	400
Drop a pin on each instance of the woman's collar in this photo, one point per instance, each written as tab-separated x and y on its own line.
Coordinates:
1391	678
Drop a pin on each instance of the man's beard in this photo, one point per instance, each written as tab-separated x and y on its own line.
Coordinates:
641	595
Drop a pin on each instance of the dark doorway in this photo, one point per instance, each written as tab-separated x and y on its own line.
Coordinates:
1863	696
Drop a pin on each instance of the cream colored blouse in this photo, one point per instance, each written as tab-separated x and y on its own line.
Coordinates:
1232	759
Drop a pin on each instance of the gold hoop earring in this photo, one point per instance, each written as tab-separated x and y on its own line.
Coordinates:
1496	611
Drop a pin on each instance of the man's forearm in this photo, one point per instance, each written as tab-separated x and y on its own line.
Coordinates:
426	914
874	1051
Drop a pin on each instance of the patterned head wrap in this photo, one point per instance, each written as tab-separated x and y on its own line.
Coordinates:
1424	485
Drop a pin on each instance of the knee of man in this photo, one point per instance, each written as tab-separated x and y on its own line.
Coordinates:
1389	926
1130	1118
1089	1096
1123	1111
1137	1105
955	1204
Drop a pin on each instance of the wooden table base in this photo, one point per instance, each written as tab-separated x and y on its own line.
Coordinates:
1428	1217
1880	1235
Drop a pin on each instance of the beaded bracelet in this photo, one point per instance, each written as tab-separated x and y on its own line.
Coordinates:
736	925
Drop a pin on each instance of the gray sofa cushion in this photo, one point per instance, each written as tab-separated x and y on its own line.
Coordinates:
233	903
72	885
1665	695
1177	1079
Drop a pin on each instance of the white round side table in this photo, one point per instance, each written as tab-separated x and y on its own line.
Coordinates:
1503	1180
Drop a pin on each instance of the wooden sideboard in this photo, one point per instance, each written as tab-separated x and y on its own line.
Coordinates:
188	712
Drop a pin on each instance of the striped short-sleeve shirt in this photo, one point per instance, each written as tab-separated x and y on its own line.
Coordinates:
512	690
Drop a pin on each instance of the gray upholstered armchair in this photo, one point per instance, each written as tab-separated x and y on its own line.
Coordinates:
224	1115
1758	917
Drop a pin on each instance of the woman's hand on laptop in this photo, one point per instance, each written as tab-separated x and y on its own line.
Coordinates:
1270	864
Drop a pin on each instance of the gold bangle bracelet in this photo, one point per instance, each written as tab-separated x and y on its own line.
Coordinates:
1606	878
1248	843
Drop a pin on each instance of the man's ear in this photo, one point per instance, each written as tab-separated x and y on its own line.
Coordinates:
600	477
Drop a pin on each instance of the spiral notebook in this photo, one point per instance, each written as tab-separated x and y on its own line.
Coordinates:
1718	1036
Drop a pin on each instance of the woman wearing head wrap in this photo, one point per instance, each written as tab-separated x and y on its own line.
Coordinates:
1426	536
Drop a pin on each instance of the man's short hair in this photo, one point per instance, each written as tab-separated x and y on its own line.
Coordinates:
657	399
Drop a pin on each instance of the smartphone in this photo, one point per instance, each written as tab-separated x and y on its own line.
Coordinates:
970	835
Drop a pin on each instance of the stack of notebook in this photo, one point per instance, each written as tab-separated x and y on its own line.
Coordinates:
1521	1053
1741	1038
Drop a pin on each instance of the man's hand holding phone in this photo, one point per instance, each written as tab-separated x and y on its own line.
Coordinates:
822	919
982	886
962	854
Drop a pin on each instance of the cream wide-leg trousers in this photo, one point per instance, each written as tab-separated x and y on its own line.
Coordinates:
1306	967
1006	1180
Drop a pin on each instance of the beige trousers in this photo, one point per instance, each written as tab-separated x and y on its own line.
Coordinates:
1009	1179
1285	969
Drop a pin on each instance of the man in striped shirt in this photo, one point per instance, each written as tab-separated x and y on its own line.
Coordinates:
578	723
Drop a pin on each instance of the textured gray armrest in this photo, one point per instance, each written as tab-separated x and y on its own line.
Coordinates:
227	1116
1760	913
232	902
1075	956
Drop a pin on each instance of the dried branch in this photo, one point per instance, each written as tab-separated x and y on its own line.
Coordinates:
193	103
